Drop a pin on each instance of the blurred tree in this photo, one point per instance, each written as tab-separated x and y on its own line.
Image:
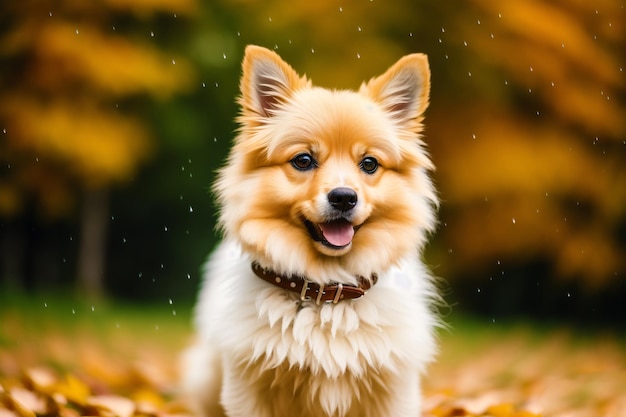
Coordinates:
70	74
534	167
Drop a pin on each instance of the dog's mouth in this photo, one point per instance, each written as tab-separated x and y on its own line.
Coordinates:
335	234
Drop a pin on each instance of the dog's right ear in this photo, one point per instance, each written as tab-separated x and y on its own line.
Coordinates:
267	82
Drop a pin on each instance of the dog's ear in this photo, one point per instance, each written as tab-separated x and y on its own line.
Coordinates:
403	89
267	82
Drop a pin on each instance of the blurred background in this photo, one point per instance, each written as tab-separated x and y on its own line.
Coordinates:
114	116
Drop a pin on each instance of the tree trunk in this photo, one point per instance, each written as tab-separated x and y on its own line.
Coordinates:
92	243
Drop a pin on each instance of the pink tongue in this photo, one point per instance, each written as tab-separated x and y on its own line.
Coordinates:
338	233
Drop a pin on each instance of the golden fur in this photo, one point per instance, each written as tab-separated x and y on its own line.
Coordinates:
262	352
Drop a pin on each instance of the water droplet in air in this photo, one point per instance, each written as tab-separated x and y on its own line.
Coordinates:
203	85
50	14
190	209
188	276
151	34
473	135
224	55
358	55
359	28
514	221
173	62
77	31
170	300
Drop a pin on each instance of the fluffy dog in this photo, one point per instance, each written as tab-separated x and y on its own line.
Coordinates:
316	303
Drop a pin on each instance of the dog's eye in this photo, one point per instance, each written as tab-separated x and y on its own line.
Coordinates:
303	162
369	165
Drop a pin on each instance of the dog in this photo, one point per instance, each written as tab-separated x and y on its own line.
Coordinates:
317	303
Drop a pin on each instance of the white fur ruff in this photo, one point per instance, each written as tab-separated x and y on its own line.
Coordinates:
260	354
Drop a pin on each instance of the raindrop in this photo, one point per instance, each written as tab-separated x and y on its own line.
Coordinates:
123	240
78	32
173	62
411	34
45	304
224	55
569	295
188	276
563	45
531	69
340	9
170	300
464	43
500	15
140	274
165	228
442	30
269	19
190	209
478	21
203	85
493	320
506	82
440	41
491	35
173	312
469	74
238	34
358	55
50	14
359	28
73	311
93	308
530	90
216	85
552	83
473	135
477	289
151	34
312	50
514	221
4	130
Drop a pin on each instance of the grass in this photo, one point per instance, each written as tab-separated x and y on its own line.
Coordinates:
514	369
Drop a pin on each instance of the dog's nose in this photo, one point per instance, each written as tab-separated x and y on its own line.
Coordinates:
342	198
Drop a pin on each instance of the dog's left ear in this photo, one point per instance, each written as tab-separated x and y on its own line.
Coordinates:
403	89
267	82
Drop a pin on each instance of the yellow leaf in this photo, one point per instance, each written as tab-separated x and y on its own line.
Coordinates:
74	389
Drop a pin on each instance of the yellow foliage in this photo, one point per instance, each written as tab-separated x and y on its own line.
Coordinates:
67	71
96	144
112	64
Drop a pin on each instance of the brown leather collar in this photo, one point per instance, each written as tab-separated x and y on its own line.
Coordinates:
311	291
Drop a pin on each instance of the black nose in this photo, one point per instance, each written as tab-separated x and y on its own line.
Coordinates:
342	198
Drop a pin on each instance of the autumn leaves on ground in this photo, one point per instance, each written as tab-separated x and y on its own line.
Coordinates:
60	357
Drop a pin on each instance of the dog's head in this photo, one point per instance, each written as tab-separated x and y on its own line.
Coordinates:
328	183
